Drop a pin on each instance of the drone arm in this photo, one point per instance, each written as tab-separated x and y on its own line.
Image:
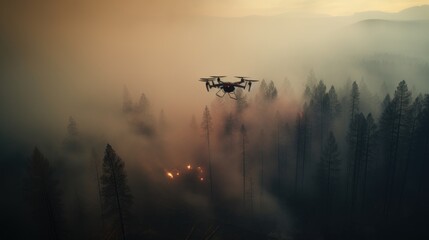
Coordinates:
250	85
220	90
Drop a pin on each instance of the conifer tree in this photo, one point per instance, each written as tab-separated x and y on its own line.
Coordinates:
329	171
117	197
41	190
334	104
243	132
352	135
207	126
370	143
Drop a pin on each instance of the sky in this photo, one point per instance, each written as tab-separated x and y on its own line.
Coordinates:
89	50
330	7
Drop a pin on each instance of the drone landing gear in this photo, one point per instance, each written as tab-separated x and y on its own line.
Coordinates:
232	95
221	93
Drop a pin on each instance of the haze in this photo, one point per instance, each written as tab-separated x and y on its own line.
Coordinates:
85	59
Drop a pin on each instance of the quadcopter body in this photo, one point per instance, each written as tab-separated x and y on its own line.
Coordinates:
227	87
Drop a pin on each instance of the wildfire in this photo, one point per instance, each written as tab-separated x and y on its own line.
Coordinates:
186	174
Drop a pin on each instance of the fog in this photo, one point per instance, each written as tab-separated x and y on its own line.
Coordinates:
127	75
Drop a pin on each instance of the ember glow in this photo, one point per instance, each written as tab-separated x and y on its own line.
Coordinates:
188	172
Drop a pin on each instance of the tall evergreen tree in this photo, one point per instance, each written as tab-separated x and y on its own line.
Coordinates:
356	166
243	132
41	190
414	116
271	93
320	104
334	104
370	143
402	99
352	135
422	152
329	172
207	126
395	130
117	197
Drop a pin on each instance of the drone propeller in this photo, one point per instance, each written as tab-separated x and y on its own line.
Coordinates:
240	77
251	80
205	79
217	76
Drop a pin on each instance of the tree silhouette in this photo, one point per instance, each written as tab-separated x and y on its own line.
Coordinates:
334	104
329	170
41	190
117	197
422	143
206	125
352	136
271	93
401	102
415	114
370	143
243	132
268	92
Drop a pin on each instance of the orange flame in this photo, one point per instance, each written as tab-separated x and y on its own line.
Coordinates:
189	167
169	174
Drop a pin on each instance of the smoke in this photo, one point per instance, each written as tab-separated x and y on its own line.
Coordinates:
73	59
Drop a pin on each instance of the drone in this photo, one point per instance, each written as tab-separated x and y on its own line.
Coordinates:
227	87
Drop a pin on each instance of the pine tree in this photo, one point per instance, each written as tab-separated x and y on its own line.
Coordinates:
243	132
394	125
352	135
414	117
402	100
41	190
206	125
329	172
370	142
261	153
263	89
319	107
143	105
422	151
271	93
334	104
117	197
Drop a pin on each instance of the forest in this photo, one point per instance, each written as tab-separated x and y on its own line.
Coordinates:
274	164
106	132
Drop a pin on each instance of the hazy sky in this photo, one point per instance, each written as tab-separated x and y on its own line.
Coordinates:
87	50
331	7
